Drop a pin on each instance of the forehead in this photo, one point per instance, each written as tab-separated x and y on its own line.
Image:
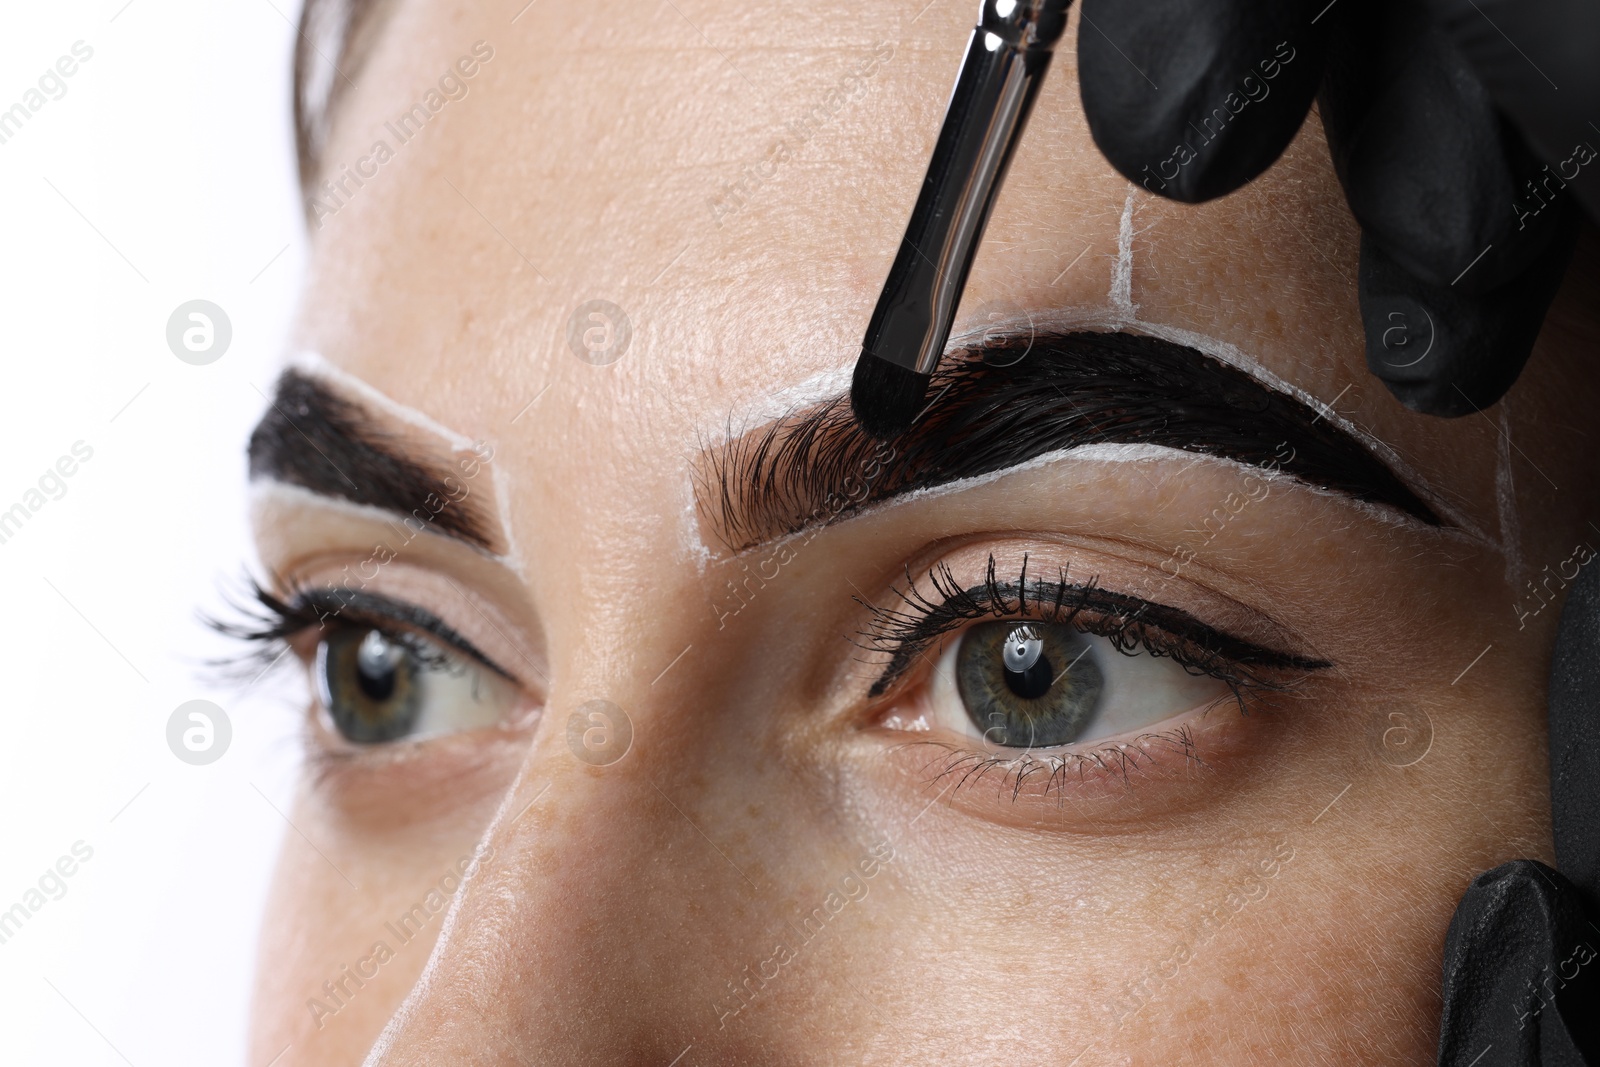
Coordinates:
732	186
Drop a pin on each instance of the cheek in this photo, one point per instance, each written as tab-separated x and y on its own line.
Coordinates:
321	937
316	932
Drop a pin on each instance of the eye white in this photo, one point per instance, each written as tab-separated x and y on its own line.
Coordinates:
459	695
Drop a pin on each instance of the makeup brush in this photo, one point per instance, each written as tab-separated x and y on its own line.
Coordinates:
1006	60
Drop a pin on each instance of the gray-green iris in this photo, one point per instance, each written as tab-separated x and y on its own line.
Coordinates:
1028	684
369	685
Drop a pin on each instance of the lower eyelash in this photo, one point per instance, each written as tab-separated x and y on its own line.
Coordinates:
1116	761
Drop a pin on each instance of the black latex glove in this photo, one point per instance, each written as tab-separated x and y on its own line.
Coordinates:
1521	973
1461	130
1466	232
1522	958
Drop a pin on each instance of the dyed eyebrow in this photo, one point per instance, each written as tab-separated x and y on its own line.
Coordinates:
1017	398
319	440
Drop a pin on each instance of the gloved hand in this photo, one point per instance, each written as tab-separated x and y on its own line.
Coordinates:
1460	131
1455	127
1521	973
1522	958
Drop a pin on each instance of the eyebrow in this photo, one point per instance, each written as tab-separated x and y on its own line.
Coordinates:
315	438
1014	399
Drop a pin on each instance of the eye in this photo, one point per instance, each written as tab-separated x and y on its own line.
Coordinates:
1035	684
376	685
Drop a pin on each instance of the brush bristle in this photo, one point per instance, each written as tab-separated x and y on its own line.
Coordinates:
886	397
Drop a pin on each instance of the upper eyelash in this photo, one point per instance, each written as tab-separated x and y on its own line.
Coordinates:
1131	624
270	622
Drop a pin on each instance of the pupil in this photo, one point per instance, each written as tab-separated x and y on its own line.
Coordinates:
1027	669
376	663
1033	681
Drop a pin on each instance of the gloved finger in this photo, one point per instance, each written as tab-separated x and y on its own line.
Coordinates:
1441	351
1430	168
1541	64
1193	98
1520	973
1575	726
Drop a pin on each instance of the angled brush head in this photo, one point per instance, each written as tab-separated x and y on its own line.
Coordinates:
886	397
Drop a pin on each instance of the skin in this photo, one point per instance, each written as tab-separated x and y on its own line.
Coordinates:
612	906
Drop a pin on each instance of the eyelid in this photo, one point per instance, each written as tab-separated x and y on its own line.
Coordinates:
331	606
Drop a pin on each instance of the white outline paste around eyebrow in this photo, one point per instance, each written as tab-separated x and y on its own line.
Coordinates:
829	384
1123	314
1121	294
1224	352
1119	314
1140	451
1121	298
694	547
315	365
1505	495
768	408
257	492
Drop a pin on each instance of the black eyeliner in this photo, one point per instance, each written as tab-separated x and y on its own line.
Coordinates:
276	620
1127	621
373	608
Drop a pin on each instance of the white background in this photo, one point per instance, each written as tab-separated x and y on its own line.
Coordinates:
171	162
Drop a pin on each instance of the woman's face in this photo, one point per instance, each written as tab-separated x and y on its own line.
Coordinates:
631	744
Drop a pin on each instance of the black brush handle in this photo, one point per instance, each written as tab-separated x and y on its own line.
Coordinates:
1006	61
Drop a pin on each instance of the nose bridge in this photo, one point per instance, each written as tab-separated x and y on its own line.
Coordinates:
636	871
589	891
